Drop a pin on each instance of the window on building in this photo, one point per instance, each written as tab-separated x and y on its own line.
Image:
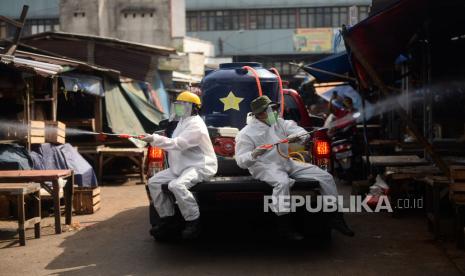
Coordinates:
227	24
276	19
292	18
307	18
327	15
339	16
252	19
319	17
270	18
203	21
211	20
34	26
284	19
362	12
239	19
191	19
219	21
260	19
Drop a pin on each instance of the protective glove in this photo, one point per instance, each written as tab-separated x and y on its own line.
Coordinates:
147	138
295	138
258	152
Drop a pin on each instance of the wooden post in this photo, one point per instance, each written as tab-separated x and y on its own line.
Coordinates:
21	219
19	30
400	110
56	205
54	98
28	116
69	191
98	114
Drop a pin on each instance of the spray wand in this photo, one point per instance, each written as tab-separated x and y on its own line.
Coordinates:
126	136
286	140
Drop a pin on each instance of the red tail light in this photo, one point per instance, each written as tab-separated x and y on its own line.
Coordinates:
155	154
321	149
155	160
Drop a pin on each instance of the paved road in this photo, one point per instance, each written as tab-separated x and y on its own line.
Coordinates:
115	241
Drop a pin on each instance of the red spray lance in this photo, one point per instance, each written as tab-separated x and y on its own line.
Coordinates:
104	135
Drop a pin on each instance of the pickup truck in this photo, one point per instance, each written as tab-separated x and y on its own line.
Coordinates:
234	191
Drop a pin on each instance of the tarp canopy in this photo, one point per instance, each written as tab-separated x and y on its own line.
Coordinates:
149	115
338	64
383	36
120	115
160	95
88	84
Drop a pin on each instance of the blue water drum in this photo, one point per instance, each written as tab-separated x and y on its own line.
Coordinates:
228	91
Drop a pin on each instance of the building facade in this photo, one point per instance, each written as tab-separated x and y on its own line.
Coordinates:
274	32
154	22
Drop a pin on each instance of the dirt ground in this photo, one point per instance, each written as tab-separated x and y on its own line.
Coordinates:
115	241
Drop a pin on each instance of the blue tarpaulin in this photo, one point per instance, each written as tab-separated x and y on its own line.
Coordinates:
64	157
14	157
338	63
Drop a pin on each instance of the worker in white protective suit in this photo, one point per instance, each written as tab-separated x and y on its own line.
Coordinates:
267	164
191	160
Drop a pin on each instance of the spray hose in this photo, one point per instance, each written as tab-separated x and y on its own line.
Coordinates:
275	71
257	78
286	141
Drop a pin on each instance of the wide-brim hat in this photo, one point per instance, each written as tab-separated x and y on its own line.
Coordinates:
260	104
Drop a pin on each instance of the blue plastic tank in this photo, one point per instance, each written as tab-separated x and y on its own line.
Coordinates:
228	91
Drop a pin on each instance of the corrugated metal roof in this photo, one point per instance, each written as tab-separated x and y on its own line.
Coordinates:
41	68
75	64
123	43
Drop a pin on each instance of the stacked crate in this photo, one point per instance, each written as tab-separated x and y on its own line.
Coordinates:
55	132
37	132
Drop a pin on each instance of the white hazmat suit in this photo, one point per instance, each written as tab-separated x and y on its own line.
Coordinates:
191	160
272	168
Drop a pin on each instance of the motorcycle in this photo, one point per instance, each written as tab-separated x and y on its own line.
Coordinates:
344	153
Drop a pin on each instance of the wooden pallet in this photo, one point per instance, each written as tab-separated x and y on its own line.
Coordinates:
86	200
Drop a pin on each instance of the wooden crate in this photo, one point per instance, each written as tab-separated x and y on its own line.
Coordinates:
55	132
457	188
86	200
37	132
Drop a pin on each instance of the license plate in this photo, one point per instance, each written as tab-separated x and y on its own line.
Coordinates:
345	154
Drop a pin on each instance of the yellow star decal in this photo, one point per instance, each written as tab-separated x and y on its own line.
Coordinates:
231	101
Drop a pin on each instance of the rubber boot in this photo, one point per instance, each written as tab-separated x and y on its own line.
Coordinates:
166	227
286	230
339	224
192	230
